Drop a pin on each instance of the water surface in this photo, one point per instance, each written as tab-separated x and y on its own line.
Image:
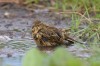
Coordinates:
11	61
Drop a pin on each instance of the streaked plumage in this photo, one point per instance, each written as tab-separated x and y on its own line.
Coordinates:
45	35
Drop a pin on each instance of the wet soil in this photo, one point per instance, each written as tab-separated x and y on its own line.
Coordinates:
15	29
16	23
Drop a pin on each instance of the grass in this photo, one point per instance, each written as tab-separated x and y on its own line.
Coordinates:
60	57
31	1
80	11
78	4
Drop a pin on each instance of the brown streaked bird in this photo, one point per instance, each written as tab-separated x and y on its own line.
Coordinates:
45	35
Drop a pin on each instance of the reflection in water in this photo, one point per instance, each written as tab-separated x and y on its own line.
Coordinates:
12	61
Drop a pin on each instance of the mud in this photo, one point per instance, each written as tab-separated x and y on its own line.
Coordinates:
15	29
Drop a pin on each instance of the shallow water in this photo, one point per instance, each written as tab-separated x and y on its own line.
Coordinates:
19	27
11	61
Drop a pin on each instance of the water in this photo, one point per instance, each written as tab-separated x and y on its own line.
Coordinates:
11	61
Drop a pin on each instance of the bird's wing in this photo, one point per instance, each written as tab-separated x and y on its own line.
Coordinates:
51	35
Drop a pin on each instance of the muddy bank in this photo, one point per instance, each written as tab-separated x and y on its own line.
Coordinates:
15	27
16	23
15	31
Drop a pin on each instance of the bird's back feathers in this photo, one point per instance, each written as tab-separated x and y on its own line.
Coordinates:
45	35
